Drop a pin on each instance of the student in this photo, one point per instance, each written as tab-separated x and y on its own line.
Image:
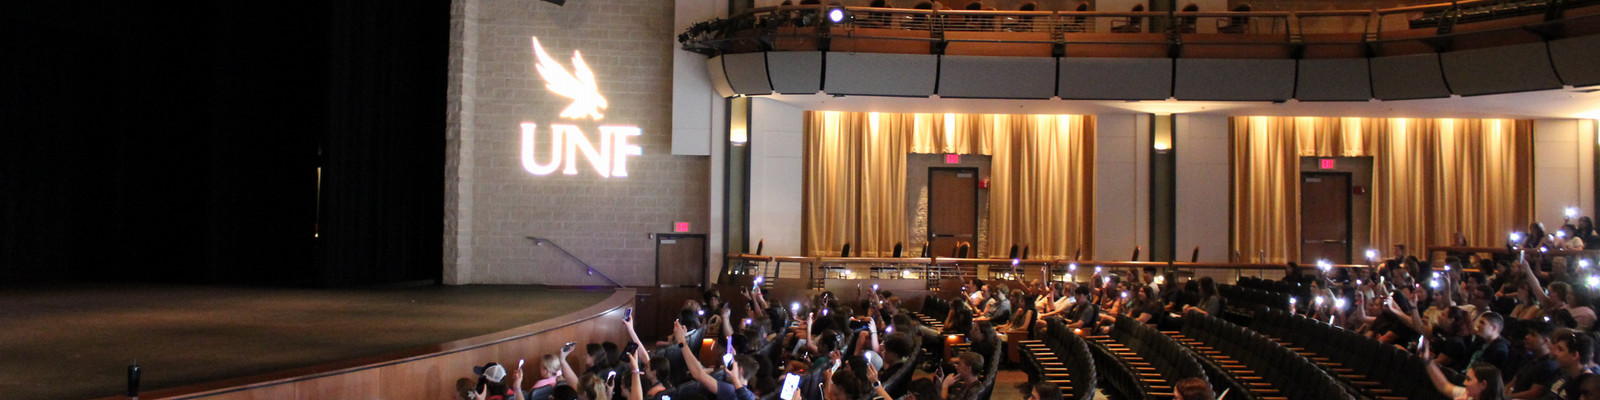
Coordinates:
1574	352
1533	378
964	383
1483	383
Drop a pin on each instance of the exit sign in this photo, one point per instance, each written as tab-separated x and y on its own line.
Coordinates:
952	158
1326	163
680	227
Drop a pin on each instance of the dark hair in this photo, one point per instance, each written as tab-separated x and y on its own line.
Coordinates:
851	385
1541	328
1577	342
898	343
923	389
1494	387
1193	389
1208	286
564	392
748	365
973	360
661	369
1082	290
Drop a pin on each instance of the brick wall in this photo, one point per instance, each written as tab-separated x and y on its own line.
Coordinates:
493	204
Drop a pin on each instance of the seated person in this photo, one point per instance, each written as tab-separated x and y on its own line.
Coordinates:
740	371
964	383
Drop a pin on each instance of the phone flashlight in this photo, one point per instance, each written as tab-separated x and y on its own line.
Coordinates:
874	287
1014	262
1292	301
1319	300
1572	212
1124	295
1073	267
794	307
1372	254
727	361
519	363
1516	237
1097	269
1594	281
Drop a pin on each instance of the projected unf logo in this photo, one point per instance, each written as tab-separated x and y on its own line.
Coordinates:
608	155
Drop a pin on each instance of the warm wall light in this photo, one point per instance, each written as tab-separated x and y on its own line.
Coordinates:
738	136
1161	132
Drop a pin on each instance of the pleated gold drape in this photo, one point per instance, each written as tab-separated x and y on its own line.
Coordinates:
1041	191
854	184
1431	178
1266	188
1042	184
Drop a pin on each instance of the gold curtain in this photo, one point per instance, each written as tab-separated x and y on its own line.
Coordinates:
1041	176
1266	188
854	183
1431	178
1042	184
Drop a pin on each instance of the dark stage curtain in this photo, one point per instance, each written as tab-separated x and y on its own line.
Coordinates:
179	142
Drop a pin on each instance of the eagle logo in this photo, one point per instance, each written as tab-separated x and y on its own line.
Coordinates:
578	85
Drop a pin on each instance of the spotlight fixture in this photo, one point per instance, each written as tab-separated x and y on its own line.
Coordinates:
836	15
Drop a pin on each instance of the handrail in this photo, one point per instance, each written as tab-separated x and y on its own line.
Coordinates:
539	241
1061	262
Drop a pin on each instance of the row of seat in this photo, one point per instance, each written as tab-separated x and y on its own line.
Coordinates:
1375	369
1061	357
1140	362
1244	300
1266	369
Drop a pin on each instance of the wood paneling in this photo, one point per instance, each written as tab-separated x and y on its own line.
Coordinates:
428	372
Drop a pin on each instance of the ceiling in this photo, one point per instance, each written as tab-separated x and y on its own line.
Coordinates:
1560	103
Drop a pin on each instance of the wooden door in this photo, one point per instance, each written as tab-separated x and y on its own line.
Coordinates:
1325	217
680	275
952	209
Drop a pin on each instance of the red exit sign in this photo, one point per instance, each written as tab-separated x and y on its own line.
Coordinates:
952	158
1326	163
680	227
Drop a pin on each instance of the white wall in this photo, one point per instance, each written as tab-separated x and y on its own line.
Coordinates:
776	142
696	108
1202	187
1121	185
1563	167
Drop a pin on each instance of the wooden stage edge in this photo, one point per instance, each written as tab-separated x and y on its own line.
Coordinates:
427	372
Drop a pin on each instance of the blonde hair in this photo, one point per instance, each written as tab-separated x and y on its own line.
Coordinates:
552	364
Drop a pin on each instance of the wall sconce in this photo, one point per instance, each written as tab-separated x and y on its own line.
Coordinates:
1161	132
738	136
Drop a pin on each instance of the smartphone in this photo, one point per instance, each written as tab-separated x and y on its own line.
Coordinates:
874	287
1124	295
611	379
630	348
628	315
791	384
520	362
569	346
727	362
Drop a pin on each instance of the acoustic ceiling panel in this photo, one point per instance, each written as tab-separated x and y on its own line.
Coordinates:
1333	79
880	74
1415	76
1115	78
747	73
795	72
997	77
1575	59
1234	79
1499	69
719	77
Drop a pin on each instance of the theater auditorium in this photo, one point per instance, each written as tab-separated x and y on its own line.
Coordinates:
800	199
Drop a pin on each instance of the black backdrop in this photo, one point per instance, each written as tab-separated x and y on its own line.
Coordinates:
180	141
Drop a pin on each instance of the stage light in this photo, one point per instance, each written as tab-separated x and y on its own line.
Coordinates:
838	15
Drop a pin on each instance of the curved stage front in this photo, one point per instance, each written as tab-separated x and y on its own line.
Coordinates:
253	343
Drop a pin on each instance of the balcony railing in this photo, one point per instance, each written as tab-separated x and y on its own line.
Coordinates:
1274	34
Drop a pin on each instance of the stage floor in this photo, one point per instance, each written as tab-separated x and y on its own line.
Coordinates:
76	342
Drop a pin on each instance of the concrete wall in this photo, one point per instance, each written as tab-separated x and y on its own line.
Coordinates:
1564	169
777	144
493	203
1121	185
1202	146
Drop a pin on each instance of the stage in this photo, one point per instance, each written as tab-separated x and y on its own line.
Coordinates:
76	342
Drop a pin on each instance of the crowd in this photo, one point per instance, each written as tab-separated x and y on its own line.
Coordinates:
1521	328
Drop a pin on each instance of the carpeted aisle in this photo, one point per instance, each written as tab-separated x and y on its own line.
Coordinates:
76	342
